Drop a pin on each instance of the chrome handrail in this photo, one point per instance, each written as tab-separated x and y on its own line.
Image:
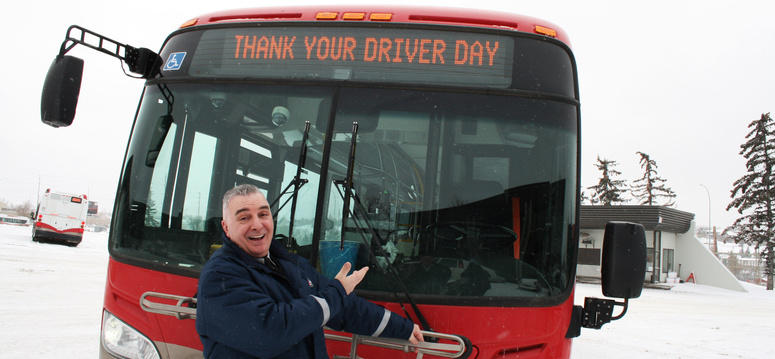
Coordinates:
446	350
176	310
432	347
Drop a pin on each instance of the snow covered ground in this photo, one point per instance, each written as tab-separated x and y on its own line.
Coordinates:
51	300
689	321
50	295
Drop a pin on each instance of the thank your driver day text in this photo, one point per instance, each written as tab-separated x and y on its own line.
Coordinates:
405	50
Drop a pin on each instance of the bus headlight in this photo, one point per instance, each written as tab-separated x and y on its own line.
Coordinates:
123	341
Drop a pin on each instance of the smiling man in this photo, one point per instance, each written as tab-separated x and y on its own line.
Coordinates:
256	300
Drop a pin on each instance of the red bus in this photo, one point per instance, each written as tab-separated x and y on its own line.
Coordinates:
438	146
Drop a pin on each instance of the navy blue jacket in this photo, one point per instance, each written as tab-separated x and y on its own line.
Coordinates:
246	310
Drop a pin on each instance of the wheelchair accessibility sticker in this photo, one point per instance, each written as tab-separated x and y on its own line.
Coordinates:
174	61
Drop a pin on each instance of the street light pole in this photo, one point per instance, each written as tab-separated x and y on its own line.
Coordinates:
709	222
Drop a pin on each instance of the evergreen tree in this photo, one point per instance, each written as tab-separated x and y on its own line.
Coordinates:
753	195
151	212
608	190
650	188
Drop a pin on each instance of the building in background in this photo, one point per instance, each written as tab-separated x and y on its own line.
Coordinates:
744	261
672	245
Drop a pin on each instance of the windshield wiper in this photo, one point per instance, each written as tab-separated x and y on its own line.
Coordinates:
297	183
347	183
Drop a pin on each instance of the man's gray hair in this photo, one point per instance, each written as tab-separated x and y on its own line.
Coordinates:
241	190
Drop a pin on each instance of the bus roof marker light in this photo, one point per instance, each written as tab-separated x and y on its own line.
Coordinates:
327	15
380	16
189	23
543	30
353	16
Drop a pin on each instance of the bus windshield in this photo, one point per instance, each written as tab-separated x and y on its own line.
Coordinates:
456	195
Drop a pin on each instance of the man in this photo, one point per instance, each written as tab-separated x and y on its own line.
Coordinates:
257	300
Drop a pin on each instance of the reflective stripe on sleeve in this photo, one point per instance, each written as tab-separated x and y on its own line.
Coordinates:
324	307
382	324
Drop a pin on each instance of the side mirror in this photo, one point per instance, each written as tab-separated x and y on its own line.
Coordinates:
60	91
622	272
624	260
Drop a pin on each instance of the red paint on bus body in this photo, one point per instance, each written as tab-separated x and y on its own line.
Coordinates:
123	289
400	14
502	332
46	227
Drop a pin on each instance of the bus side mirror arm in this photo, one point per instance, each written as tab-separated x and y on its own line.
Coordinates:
622	271
63	80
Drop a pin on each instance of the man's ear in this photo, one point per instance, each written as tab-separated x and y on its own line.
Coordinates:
225	227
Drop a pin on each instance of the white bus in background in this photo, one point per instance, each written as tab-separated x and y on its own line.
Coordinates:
60	217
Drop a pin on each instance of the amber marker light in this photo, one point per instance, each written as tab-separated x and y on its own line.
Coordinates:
543	30
378	16
353	16
189	23
324	15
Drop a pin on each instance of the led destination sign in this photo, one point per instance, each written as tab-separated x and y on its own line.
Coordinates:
357	54
383	49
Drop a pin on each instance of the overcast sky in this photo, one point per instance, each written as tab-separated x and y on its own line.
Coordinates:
679	80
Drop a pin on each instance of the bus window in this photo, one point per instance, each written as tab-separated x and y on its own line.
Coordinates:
247	150
435	182
220	137
155	199
305	213
495	169
199	180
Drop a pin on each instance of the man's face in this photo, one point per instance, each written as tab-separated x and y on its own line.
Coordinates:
248	223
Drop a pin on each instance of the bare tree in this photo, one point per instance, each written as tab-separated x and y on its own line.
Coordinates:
650	187
23	209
